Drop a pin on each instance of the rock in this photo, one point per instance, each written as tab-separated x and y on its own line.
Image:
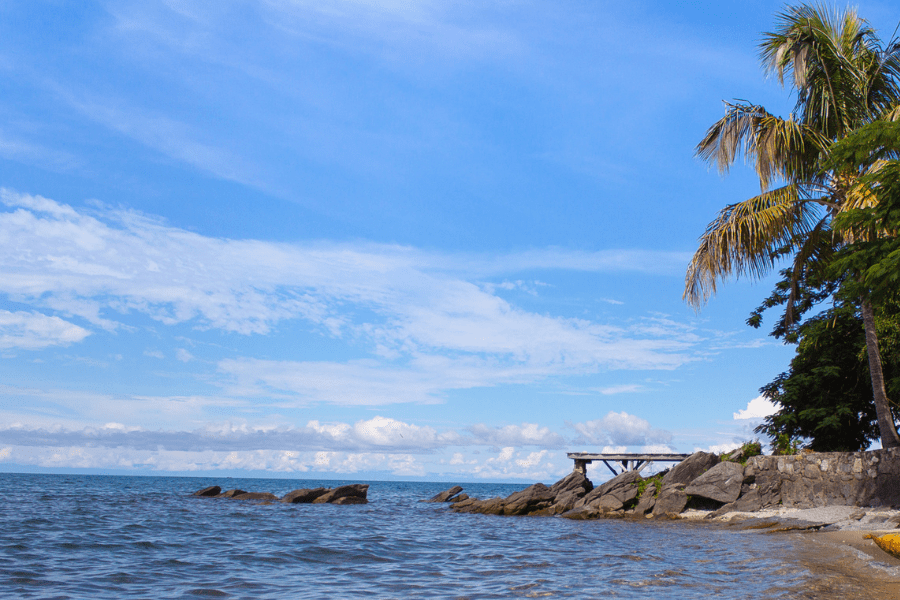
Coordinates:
531	499
458	498
736	455
574	482
721	483
357	490
690	468
255	496
491	506
231	493
445	496
647	500
350	500
212	490
304	496
607	503
622	487
582	513
671	500
566	501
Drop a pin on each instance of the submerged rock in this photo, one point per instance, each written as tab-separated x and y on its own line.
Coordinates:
345	494
304	496
357	491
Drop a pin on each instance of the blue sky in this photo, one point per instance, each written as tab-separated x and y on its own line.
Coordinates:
357	239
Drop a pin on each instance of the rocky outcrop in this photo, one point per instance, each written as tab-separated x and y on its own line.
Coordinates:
672	500
212	490
721	483
535	500
690	468
647	500
614	494
304	496
354	493
346	494
447	495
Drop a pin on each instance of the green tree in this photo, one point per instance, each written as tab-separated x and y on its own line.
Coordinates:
843	78
826	395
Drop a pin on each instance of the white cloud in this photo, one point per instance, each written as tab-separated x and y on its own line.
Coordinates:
32	331
526	434
758	408
721	448
183	355
621	430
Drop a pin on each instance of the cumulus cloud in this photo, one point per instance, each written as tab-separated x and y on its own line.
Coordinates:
621	430
32	331
758	408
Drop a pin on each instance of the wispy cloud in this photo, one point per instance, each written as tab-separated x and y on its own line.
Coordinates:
32	330
427	320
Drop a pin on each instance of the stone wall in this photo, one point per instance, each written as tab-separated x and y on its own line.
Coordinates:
830	478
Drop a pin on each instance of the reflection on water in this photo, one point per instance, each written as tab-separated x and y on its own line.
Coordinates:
112	537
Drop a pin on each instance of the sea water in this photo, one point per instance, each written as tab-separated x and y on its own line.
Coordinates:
95	537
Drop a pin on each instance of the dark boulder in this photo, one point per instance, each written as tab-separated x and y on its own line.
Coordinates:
355	490
721	483
582	513
690	468
212	490
622	488
458	498
491	506
231	493
671	500
574	482
304	496
647	500
447	495
533	498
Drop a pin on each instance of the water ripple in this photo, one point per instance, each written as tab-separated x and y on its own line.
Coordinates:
113	537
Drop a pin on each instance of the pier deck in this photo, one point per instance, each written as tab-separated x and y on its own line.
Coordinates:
632	462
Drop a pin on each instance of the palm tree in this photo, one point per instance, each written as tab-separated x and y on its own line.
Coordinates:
843	78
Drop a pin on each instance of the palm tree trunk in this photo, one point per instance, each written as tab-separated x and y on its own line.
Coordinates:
889	437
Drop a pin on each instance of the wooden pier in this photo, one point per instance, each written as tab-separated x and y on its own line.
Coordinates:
630	462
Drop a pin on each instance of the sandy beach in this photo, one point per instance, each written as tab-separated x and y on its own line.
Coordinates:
844	562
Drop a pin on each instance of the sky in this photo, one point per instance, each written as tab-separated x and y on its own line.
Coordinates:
351	239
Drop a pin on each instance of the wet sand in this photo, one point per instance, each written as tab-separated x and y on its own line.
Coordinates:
832	548
845	565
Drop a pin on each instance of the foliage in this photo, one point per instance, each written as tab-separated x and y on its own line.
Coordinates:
750	449
785	445
747	450
874	254
656	480
826	395
844	79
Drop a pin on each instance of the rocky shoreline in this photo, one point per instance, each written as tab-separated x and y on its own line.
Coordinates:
827	491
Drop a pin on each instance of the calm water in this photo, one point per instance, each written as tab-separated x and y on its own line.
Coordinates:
145	537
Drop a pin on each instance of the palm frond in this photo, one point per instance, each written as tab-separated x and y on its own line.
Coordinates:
780	148
745	237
